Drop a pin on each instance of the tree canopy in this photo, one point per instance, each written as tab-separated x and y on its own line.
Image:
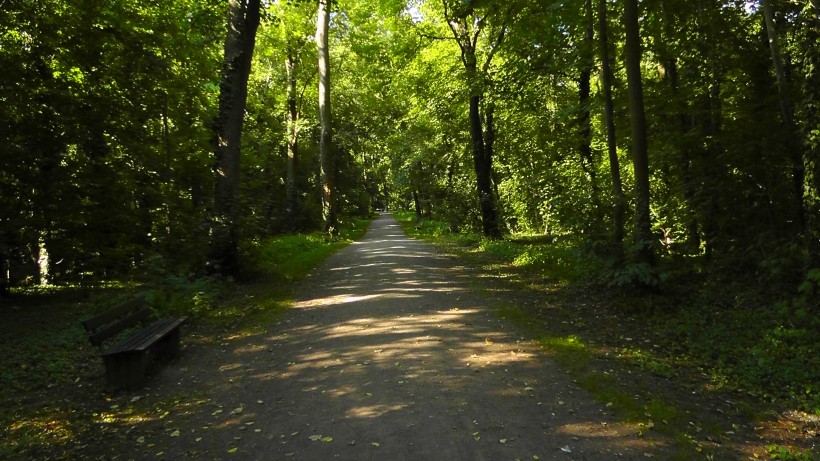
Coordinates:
492	116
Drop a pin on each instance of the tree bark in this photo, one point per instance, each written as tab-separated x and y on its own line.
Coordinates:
689	189
291	184
786	111
640	156
326	148
243	22
5	270
619	207
466	35
811	153
483	171
584	91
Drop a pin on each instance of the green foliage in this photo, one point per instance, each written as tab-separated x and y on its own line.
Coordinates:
292	257
768	350
782	453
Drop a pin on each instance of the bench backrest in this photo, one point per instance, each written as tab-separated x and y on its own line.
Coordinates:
115	320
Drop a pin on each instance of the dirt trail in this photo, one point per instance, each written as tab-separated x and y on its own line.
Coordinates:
387	355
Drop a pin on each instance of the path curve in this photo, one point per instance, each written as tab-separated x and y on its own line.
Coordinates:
389	355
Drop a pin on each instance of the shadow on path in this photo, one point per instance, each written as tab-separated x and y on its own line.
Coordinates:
386	355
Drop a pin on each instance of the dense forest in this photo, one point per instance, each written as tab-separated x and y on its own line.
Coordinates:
696	121
664	150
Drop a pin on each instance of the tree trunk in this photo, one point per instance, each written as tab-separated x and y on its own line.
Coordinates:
671	68
326	147
489	152
482	162
233	92
43	275
584	124
640	156
483	171
786	111
811	153
466	31
291	185
619	207
5	270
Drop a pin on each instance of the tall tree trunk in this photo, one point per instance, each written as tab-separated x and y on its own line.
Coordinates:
811	152
326	148
243	21
482	162
483	171
786	111
43	266
489	152
584	123
466	32
670	65
291	184
5	270
619	207
640	156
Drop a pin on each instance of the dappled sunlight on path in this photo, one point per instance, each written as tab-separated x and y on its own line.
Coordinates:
388	355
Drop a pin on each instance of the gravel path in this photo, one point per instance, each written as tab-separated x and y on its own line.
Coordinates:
387	355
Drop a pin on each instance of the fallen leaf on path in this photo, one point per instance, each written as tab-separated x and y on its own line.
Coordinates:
175	433
375	444
315	438
327	439
502	441
566	449
232	450
141	440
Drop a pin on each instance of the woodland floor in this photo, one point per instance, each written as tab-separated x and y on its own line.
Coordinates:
393	351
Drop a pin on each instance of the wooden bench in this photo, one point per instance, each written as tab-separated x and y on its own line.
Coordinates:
126	363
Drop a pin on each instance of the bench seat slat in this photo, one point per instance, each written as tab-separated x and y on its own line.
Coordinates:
147	337
115	327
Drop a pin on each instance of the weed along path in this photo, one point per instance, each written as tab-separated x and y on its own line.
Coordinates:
387	354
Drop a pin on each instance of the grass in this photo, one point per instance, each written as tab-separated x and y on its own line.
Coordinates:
52	378
742	341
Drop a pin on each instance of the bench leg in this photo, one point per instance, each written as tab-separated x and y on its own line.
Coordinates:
126	370
168	347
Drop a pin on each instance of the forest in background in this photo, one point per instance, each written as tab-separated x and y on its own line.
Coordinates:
679	155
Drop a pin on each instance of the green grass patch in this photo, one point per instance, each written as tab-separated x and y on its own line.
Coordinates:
558	260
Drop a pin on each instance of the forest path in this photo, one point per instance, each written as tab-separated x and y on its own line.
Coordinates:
387	355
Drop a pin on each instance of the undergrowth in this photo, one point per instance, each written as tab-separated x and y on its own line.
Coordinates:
48	368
